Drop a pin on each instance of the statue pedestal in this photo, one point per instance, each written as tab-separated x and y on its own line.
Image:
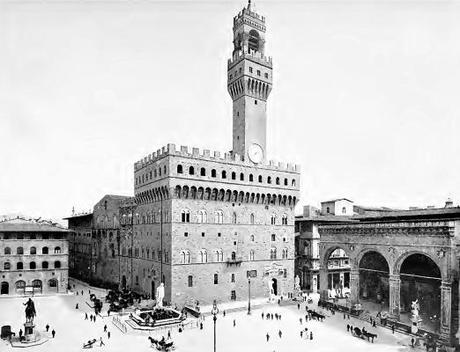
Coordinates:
29	333
415	324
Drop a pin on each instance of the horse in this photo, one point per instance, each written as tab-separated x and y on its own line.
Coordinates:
30	310
369	335
358	333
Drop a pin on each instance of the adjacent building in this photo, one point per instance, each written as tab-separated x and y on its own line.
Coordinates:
33	257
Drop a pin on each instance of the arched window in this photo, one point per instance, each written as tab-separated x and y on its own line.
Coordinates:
273	219
6	266
273	253
182	257
179	169
45	250
219	255
277	180
187	257
7	251
233	175
191	170
285	253
252	219
203	171
57	264
260	178
202	216
219	217
233	255
253	41
32	265
190	281
185	215
19	250
57	250
204	256
224	174
216	279
269	180
19	266
234	218
20	286
241	177
284	219
293	183
52	283
285	181
251	254
328	210
251	178
213	173
344	210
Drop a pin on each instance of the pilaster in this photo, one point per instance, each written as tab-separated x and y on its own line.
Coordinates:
446	303
395	296
354	286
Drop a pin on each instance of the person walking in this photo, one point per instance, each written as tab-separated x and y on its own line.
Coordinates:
280	333
348	327
234	322
47	327
300	319
20	334
268	337
298	306
86	316
105	328
311	335
101	342
108	334
393	328
53	333
262	315
224	313
412	342
169	334
301	333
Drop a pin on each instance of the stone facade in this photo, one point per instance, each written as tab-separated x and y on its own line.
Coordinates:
432	234
33	257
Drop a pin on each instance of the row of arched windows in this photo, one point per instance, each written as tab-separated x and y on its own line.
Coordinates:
33	250
32	265
235	176
202	217
218	256
151	174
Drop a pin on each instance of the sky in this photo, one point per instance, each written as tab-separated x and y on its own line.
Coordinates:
365	96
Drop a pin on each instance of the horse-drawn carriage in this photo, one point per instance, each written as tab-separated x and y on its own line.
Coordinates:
162	345
89	344
363	334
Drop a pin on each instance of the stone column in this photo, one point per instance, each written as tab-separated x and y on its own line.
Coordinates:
446	304
323	284
314	283
354	286
395	296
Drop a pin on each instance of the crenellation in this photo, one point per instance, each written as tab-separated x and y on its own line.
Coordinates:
206	153
195	152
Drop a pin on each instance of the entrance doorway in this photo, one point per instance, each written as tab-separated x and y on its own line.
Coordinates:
275	287
5	288
153	289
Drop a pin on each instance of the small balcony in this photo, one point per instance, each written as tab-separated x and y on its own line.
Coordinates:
234	260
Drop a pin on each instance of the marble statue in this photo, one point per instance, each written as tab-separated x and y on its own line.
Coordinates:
160	295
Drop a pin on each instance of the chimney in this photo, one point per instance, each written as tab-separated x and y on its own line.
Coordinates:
449	203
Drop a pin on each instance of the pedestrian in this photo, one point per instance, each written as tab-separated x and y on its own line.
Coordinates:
82	292
53	333
279	316
86	316
105	328
20	334
94	318
47	327
276	316
108	312
351	329
280	333
311	335
348	327
234	322
301	333
268	337
89	291
224	313
271	316
306	317
300	319
102	342
393	328
108	334
169	334
76	306
262	315
77	293
344	317
298	306
201	326
412	342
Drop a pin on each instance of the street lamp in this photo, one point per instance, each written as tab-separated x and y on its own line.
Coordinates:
249	295
214	313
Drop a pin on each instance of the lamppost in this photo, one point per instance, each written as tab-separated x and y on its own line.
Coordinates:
214	313
249	295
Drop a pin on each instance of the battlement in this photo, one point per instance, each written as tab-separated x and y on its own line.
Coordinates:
171	150
252	55
247	12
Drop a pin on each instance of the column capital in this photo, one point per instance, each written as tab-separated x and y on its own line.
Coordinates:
394	277
446	285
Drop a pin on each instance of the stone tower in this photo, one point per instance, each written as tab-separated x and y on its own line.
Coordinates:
249	85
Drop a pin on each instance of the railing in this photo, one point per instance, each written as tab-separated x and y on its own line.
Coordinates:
236	260
119	324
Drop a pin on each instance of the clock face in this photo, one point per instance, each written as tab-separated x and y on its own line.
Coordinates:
255	153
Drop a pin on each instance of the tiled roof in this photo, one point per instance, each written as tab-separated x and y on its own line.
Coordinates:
20	224
336	200
434	213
